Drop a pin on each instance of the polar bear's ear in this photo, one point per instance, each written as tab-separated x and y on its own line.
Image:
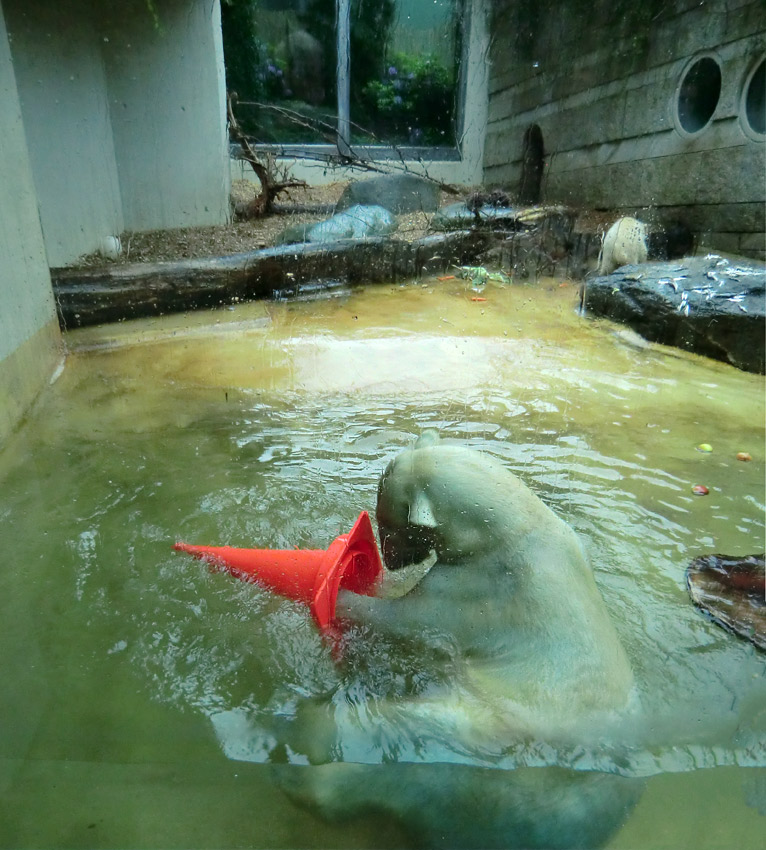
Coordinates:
427	438
420	512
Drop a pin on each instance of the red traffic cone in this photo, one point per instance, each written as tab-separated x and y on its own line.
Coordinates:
311	576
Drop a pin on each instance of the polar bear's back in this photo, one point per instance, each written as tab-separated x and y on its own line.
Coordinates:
624	243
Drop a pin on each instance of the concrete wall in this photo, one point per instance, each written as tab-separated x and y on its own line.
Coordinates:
30	344
112	117
124	115
62	86
600	79
167	97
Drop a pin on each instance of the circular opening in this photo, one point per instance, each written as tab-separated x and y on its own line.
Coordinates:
754	100
698	94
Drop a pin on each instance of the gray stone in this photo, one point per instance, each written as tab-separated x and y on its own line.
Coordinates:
294	234
359	222
399	193
459	217
709	305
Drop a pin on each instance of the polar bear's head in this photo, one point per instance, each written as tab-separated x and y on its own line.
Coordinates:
456	501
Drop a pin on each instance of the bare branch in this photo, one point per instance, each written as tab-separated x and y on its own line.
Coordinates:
266	172
355	158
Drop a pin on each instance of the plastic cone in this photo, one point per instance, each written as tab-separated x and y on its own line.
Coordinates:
311	576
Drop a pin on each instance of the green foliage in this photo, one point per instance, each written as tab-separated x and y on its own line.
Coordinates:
371	24
251	69
414	101
241	48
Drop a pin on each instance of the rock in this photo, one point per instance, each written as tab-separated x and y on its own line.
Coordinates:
730	589
708	305
113	293
110	247
359	222
295	234
459	216
398	193
493	198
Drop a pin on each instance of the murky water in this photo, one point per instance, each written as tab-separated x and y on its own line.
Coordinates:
146	700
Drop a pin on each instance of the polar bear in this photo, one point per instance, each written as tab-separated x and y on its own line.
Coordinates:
510	589
624	243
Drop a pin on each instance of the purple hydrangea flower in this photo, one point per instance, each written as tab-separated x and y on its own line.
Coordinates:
392	72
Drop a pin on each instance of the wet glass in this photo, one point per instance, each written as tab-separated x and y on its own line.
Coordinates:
157	703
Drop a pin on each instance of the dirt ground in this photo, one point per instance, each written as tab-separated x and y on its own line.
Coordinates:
295	206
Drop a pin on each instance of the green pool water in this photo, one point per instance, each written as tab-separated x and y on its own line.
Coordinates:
144	698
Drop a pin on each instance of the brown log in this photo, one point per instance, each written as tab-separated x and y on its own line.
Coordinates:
118	292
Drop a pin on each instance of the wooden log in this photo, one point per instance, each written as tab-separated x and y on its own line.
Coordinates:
119	292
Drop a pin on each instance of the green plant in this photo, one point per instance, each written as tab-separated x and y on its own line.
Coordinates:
414	100
241	48
371	23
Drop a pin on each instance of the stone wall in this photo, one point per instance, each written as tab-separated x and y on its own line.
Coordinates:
611	104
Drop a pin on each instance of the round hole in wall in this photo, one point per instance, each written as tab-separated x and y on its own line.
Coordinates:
698	94
752	110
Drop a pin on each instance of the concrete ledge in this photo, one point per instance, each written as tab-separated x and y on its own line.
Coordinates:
24	373
115	293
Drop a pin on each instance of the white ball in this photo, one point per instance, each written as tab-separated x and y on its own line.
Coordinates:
110	247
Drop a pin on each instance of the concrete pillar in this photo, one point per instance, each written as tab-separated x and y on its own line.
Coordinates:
30	343
167	97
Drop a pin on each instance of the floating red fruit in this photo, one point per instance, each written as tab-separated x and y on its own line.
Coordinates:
700	490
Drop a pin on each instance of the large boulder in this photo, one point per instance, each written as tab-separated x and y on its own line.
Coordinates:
398	193
710	305
358	222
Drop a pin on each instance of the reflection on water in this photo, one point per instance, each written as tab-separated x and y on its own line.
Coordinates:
134	667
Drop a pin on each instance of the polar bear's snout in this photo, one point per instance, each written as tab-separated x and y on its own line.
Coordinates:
406	545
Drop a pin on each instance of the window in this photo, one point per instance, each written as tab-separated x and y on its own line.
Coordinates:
698	95
352	71
753	103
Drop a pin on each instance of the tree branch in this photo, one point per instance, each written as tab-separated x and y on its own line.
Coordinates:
355	158
270	186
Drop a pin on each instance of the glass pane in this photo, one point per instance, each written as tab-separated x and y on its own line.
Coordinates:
283	69
404	65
